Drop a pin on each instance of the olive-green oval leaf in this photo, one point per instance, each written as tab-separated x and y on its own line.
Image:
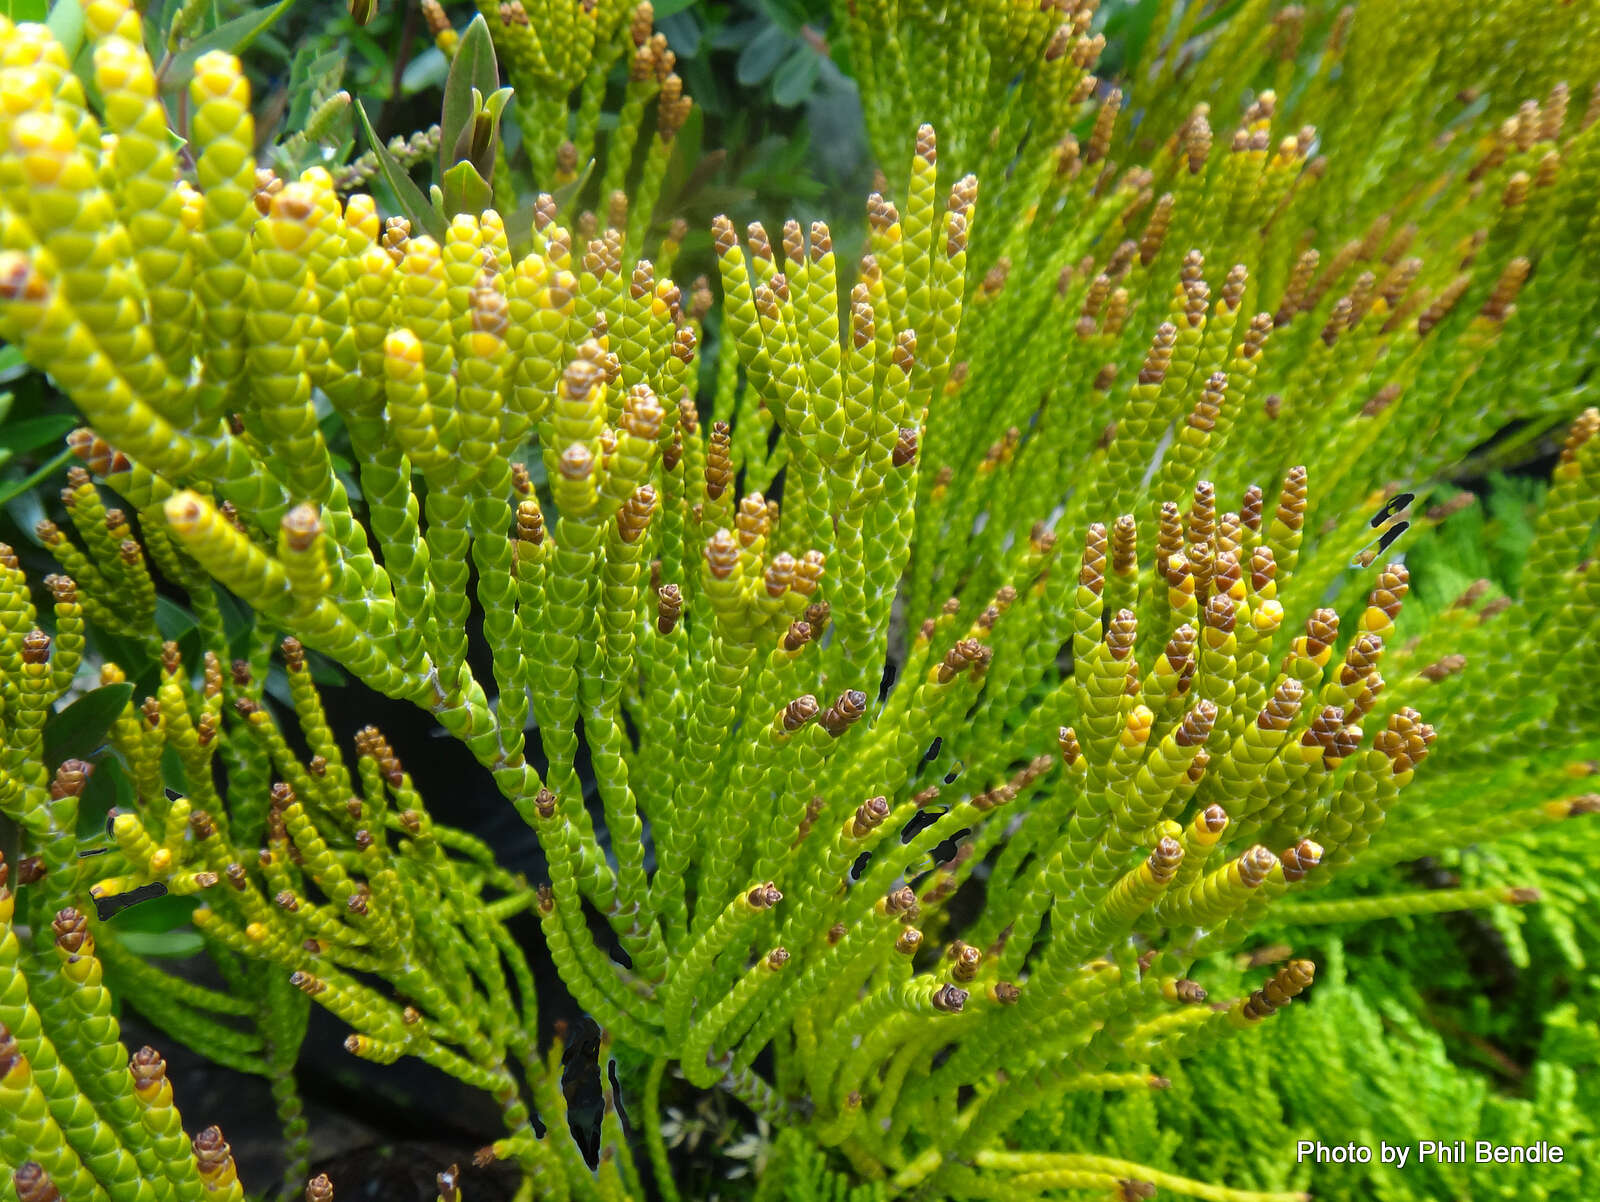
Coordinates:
25	10
465	190
232	36
473	68
31	433
567	194
171	945
76	732
410	198
761	57
16	488
66	23
795	79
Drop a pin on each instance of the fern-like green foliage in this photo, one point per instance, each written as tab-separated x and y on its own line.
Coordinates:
919	706
1356	1065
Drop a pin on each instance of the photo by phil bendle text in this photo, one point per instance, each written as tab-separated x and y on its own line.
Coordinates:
1483	1151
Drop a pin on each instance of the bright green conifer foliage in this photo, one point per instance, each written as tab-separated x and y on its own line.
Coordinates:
1104	449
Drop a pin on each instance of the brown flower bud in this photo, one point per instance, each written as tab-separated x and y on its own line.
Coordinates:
1289	982
544	803
669	607
798	712
1120	634
71	930
1444	668
1300	860
905	447
722	554
1510	282
1092	573
70	779
30	1180
1255	865
869	815
1440	308
634	516
1280	711
719	460
1197	723
843	713
1164	860
1197	143
949	999
1221	613
211	1151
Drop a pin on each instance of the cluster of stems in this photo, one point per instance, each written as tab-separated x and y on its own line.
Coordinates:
560	66
904	730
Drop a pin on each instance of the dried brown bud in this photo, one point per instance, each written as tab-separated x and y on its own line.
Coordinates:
1159	357
844	712
817	615
1300	860
1221	613
544	803
71	930
722	554
1292	499
1121	633
1286	984
36	647
1092	573
70	779
669	606
1443	304
764	897
1255	865
869	815
1197	723
1196	300
1197	143
719	460
30	1180
211	1151
1280	711
634	516
1164	860
905	447
798	712
1499	304
949	999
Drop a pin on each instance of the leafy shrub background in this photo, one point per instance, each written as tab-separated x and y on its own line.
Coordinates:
1400	1042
